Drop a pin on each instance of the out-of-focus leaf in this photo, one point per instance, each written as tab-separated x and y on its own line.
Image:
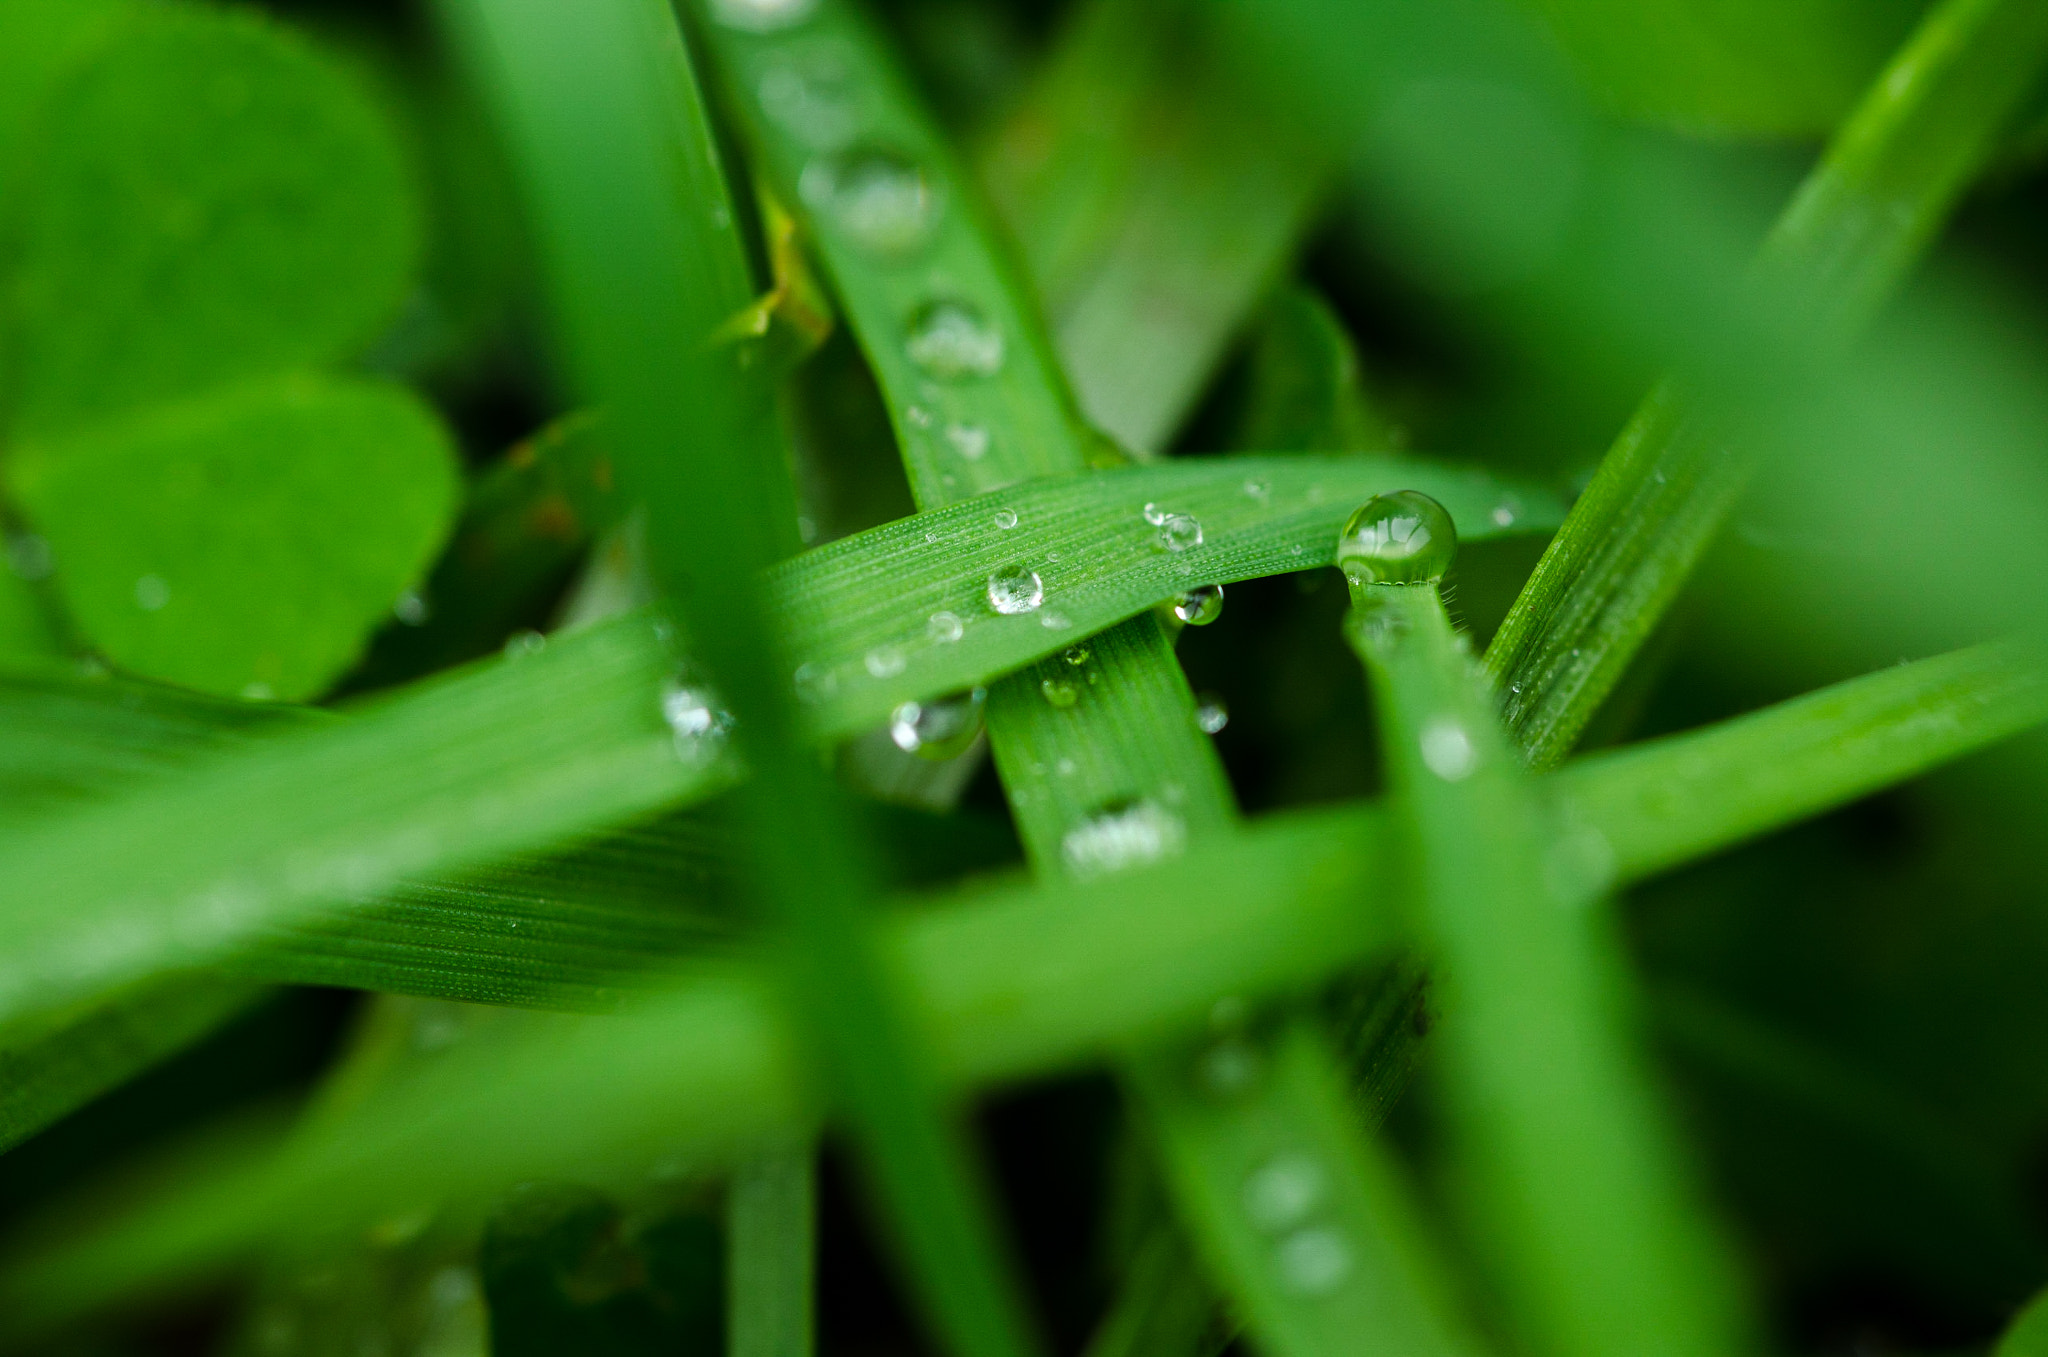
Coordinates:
1759	68
206	199
2028	1336
1155	197
245	541
1304	391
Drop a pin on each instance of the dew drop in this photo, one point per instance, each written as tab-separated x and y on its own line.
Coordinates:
814	685
1284	1191
1153	513
256	692
879	197
1015	589
1401	538
953	341
940	729
1006	519
411	609
944	627
884	662
1059	692
1075	655
151	593
1447	749
1200	607
1054	620
1122	835
1314	1261
813	99
522	643
1212	715
1258	489
1178	532
696	720
1229	1068
1505	513
917	416
28	555
969	440
762	16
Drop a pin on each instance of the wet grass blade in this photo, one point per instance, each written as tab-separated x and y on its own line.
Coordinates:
1579	1201
601	109
1878	198
771	1223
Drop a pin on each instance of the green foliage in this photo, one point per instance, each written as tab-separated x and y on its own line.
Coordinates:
245	541
1117	1028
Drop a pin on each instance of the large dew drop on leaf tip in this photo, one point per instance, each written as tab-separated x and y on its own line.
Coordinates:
1402	538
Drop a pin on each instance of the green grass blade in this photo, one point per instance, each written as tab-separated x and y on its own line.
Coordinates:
2027	1336
1674	800
1155	199
771	1223
860	612
1579	1199
602	112
1879	196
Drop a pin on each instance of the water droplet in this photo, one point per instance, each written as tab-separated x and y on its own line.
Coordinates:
1505	513
884	662
695	719
1075	655
945	627
953	341
1178	532
881	198
762	16
1066	767
1313	1262
917	416
969	440
1153	513
527	642
1229	1068
1054	620
151	593
1200	607
1402	538
1059	692
813	98
1122	835
256	692
940	729
1447	749
1015	589
1006	519
813	685
1212	715
29	556
1260	490
1284	1191
806	528
411	608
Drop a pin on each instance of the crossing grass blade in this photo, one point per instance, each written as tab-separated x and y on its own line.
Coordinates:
601	108
1578	1199
1850	236
1011	980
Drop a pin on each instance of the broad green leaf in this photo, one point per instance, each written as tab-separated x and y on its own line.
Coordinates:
1850	236
1758	68
1155	196
904	611
207	199
248	540
40	42
1576	1188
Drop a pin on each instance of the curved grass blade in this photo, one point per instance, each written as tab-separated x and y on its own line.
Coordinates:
903	612
1889	180
1579	1200
602	110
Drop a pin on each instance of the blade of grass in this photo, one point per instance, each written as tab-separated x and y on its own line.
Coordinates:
770	1222
602	111
1155	199
1098	749
1880	195
1013	980
1579	1198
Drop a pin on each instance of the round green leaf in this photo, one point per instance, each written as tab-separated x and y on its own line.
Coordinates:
247	541
206	199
